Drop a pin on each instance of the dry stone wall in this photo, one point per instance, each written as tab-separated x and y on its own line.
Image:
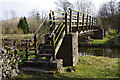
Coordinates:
9	63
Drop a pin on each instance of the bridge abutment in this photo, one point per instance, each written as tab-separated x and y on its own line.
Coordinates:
69	50
98	34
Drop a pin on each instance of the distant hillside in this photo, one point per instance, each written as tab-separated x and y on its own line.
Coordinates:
15	19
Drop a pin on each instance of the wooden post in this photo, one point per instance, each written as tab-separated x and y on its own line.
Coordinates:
87	23
35	45
96	22
26	50
92	22
53	19
78	22
66	24
70	28
15	54
50	18
83	22
53	46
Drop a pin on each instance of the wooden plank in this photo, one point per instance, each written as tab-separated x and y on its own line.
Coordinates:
53	46
58	28
59	33
58	12
59	43
58	16
39	27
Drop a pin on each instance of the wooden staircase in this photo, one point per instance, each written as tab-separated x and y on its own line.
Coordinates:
45	48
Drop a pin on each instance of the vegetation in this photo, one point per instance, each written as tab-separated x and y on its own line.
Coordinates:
110	15
87	67
23	25
111	39
23	56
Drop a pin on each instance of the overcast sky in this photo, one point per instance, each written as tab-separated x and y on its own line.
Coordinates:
24	7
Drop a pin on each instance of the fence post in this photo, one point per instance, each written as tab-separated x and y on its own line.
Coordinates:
78	22
83	22
70	28
89	22
66	24
26	50
53	47
35	45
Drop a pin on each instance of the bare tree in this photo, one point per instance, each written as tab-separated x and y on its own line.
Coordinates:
63	5
85	6
35	19
13	13
109	14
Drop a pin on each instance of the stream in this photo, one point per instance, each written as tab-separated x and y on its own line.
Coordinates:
106	52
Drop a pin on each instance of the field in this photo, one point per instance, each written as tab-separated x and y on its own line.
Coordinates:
87	67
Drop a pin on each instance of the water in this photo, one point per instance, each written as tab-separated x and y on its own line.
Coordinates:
106	52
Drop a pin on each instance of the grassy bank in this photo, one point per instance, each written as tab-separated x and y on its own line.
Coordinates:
87	67
110	39
17	36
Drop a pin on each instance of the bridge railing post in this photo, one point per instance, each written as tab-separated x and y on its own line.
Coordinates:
53	16
83	22
92	22
66	24
70	28
89	22
78	29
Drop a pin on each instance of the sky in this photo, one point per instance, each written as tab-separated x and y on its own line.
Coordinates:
24	7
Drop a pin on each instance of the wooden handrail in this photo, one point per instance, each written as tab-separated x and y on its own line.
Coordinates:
39	27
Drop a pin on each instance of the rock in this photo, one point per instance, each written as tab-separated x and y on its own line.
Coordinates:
69	70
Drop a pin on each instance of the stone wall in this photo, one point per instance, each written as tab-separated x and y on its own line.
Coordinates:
69	50
9	67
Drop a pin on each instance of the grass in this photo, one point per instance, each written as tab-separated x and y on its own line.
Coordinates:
109	40
24	57
87	67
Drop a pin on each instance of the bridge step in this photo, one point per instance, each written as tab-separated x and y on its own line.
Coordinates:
45	54
44	66
38	70
48	42
48	46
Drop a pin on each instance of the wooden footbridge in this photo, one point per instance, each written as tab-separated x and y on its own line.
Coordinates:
56	40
